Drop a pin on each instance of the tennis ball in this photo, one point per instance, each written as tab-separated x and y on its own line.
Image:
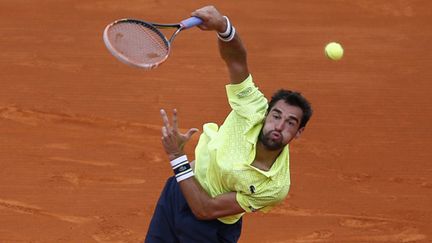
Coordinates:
334	51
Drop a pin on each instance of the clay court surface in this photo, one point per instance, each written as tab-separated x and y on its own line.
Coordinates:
80	152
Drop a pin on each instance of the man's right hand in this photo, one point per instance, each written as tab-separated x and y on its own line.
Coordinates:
212	19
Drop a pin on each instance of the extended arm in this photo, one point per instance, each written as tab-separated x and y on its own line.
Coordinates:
202	205
232	52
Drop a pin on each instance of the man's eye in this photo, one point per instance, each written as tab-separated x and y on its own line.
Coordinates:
292	123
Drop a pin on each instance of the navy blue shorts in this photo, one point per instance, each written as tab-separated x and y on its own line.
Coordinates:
173	221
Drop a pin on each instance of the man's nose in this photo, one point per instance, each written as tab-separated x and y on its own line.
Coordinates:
279	126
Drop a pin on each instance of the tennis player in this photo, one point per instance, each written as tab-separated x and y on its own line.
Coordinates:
241	166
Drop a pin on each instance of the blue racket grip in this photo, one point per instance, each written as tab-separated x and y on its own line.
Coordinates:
191	22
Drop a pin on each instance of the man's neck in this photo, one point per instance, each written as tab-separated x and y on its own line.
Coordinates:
264	158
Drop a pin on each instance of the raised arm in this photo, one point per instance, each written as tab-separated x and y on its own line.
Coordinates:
233	51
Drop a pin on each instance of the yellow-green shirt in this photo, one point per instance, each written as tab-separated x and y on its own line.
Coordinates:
224	155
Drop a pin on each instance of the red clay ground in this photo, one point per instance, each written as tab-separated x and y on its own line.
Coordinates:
79	131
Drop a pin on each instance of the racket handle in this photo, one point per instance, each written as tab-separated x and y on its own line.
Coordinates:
191	22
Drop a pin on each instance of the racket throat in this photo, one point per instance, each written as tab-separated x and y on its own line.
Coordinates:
174	35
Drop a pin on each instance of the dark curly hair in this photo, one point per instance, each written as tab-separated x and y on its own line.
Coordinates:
293	98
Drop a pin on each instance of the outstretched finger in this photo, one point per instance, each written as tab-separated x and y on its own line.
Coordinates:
164	132
164	118
191	132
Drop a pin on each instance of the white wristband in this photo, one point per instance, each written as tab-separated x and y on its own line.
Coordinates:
184	176
230	37
181	167
178	160
228	28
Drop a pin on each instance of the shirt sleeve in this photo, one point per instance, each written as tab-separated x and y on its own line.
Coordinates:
247	100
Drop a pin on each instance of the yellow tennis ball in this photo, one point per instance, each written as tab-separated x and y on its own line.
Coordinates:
334	51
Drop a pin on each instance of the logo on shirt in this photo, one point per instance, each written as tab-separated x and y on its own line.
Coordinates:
252	189
253	209
245	92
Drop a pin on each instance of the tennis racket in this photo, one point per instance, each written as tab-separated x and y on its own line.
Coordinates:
142	44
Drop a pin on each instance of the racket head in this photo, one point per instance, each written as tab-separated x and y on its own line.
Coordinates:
136	43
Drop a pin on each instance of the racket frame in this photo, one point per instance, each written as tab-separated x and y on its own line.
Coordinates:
185	24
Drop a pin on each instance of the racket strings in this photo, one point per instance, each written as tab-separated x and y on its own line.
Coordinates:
138	44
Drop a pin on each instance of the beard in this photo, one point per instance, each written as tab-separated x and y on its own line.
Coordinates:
269	143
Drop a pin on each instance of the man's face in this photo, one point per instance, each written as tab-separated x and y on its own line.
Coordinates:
281	125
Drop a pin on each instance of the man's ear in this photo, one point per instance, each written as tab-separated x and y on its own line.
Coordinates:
299	132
